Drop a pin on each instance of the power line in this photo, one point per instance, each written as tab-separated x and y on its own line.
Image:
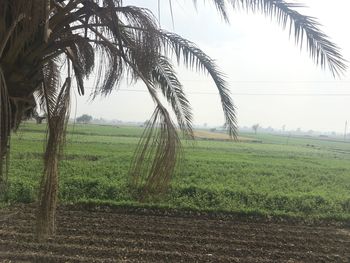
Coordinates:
275	81
248	94
264	81
254	94
292	94
267	81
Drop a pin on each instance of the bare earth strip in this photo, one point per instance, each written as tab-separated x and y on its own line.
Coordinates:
207	135
106	235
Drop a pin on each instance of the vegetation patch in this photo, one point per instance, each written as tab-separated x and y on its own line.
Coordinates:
273	178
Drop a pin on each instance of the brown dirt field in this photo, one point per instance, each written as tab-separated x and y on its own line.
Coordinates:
207	135
122	235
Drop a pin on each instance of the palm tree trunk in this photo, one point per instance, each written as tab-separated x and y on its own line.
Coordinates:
5	129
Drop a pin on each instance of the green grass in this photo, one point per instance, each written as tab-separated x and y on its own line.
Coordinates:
308	177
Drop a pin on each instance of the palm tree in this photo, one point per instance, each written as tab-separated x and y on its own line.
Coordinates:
45	45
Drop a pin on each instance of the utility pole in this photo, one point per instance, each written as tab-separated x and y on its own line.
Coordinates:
345	130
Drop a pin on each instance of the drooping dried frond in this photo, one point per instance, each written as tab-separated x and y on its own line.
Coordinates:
15	24
57	122
157	152
82	56
156	155
143	45
50	88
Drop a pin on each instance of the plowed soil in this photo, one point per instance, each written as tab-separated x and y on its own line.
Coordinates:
122	235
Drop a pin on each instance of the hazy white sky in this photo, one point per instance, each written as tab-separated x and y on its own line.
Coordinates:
260	62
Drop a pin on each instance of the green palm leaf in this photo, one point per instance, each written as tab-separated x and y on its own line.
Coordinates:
188	53
164	76
306	30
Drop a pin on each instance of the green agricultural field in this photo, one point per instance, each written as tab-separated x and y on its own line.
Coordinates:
270	176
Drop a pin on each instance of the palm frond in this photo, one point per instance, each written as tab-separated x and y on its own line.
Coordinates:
158	149
57	123
48	93
306	30
164	76
221	8
85	56
143	45
110	70
9	32
72	54
24	17
188	53
156	156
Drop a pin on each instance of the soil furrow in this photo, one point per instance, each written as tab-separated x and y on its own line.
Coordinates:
252	234
215	247
29	256
162	251
199	236
113	236
182	221
118	253
213	241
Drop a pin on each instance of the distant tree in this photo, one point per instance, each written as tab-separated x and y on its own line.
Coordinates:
255	128
85	118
